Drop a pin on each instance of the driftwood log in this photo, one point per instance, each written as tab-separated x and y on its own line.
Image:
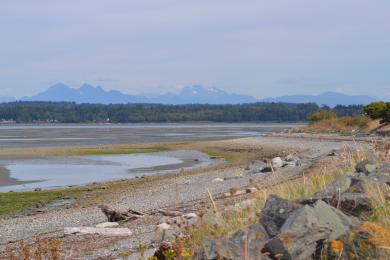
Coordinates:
117	216
170	213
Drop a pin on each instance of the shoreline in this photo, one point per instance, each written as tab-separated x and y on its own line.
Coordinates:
157	192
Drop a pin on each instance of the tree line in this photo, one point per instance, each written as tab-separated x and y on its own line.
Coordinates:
65	112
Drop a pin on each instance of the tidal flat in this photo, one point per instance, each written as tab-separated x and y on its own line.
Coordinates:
55	172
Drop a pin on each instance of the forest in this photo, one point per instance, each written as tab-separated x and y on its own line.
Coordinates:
64	112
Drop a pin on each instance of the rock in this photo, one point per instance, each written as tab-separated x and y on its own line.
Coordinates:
163	226
251	190
346	194
336	188
291	164
370	168
244	244
165	232
107	225
277	162
366	166
266	169
257	166
355	204
304	232
334	152
99	231
217	180
191	218
190	215
184	221
292	160
39	205
275	212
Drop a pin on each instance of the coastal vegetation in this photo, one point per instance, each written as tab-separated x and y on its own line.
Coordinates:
371	118
62	112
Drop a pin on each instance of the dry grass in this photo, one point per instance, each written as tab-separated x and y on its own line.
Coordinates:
43	249
342	125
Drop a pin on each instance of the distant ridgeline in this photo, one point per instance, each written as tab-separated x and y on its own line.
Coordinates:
62	112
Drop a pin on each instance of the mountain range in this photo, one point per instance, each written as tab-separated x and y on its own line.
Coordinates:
195	94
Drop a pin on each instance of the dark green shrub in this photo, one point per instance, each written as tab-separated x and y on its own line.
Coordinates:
322	115
378	110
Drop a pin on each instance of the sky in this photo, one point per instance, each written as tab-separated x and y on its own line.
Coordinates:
262	48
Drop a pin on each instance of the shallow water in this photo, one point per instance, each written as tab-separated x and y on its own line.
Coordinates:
69	171
20	136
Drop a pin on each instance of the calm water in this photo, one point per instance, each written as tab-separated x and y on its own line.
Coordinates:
60	135
65	171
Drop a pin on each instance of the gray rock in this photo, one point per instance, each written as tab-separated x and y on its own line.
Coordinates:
370	168
336	188
347	194
367	166
306	229
382	174
165	233
244	244
277	162
355	204
266	169
334	152
256	166
275	212
292	160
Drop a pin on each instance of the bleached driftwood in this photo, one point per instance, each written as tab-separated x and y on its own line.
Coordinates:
99	231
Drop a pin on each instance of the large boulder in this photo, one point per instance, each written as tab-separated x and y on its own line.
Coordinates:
347	193
244	244
304	232
275	212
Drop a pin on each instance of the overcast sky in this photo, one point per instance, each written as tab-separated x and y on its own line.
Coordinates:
262	48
